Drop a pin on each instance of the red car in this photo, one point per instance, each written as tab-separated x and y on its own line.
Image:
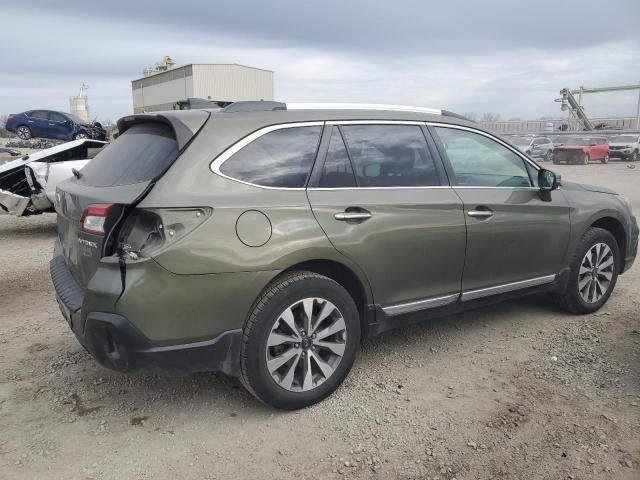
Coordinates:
582	150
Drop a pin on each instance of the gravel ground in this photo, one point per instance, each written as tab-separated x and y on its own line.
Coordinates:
516	391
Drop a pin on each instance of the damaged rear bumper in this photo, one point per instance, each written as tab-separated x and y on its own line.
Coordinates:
117	344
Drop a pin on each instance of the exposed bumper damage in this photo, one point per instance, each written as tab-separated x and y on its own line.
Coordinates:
26	183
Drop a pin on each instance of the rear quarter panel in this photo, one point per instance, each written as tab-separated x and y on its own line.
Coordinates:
215	246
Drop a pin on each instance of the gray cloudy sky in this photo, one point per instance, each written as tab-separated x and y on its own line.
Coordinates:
505	56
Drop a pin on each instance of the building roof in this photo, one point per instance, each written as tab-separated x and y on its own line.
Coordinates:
201	64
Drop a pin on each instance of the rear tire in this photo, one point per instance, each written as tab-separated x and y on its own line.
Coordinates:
634	156
548	156
285	360
23	132
585	159
593	273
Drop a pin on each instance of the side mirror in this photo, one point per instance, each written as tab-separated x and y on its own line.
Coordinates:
548	180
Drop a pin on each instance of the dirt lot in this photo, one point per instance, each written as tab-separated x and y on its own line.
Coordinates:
517	391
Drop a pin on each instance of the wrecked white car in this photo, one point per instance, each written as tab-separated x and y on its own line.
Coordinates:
28	184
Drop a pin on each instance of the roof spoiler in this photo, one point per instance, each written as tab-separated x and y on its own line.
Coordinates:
185	125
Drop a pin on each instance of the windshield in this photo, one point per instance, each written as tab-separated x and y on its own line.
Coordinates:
75	118
520	141
625	139
583	141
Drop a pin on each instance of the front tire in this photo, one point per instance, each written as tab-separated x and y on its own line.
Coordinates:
548	156
605	159
585	159
300	341
634	156
23	132
593	273
80	136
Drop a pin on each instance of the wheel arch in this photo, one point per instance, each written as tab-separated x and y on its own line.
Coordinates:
615	228
347	277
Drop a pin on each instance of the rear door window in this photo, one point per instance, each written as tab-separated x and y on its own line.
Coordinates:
56	117
282	158
337	171
142	153
390	156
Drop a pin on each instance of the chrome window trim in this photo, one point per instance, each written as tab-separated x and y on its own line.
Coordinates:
401	308
363	106
375	122
216	164
506	287
492	137
377	188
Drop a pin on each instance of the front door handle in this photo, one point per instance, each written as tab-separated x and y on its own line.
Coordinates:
346	216
480	213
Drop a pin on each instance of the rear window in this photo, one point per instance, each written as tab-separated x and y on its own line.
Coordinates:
142	153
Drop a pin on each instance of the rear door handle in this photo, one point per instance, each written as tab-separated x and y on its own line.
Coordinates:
480	213
346	216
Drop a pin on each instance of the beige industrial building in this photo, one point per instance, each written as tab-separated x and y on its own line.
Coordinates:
161	88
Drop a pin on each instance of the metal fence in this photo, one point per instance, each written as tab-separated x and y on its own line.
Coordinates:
556	126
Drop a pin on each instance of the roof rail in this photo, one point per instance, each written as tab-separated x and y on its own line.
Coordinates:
447	113
254	106
361	106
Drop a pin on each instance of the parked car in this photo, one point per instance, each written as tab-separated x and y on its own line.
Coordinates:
8	154
267	240
28	184
625	147
54	125
582	150
535	147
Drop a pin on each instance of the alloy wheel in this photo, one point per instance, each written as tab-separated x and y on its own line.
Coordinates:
23	132
306	344
596	273
634	157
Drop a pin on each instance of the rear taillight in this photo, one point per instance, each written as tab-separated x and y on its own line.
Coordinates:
146	232
10	117
94	218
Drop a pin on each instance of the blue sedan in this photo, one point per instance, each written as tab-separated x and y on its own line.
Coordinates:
54	125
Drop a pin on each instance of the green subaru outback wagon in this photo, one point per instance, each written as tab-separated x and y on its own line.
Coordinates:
267	240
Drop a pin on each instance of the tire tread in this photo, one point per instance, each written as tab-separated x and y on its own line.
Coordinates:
276	286
566	300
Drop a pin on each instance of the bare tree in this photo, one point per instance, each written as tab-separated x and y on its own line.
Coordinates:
490	117
473	116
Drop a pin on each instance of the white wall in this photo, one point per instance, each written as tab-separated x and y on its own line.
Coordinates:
232	83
